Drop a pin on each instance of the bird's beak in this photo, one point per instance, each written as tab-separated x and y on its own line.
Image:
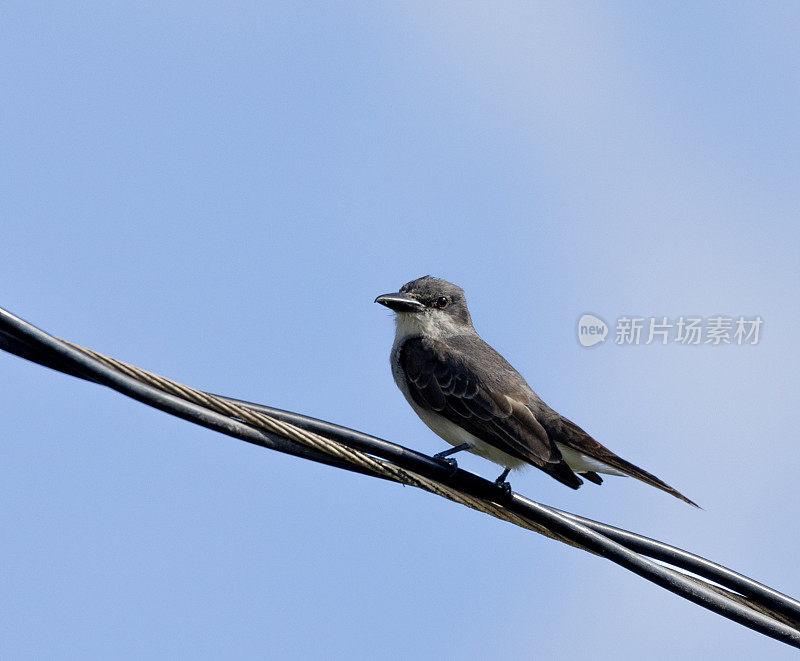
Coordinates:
400	302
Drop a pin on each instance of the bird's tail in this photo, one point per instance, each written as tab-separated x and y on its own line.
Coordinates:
568	433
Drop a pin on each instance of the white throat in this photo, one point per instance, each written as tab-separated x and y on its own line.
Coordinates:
431	324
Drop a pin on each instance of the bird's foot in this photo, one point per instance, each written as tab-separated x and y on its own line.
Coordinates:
501	482
444	456
448	461
505	486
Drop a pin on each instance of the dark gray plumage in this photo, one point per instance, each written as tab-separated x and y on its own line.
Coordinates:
466	392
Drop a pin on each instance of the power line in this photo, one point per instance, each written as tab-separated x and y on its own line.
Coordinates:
711	585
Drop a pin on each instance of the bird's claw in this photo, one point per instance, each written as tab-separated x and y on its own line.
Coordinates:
505	486
449	461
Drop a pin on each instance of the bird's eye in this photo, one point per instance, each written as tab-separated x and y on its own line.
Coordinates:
441	301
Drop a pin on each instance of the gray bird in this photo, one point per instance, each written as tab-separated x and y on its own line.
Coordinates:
468	394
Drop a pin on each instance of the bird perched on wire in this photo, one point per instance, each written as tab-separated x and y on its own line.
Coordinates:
468	394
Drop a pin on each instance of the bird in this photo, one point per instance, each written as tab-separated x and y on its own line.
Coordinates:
470	396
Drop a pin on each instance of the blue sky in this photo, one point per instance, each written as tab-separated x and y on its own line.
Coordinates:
218	191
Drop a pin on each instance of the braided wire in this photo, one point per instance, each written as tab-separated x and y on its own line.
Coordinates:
317	442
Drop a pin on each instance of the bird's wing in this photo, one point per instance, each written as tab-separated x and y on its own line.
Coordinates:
441	380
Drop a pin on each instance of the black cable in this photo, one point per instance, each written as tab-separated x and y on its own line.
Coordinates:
25	340
103	375
676	557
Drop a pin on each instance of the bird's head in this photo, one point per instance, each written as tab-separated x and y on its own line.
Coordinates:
436	305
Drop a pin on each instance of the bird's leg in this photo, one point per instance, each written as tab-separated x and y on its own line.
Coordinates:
449	451
442	456
501	481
